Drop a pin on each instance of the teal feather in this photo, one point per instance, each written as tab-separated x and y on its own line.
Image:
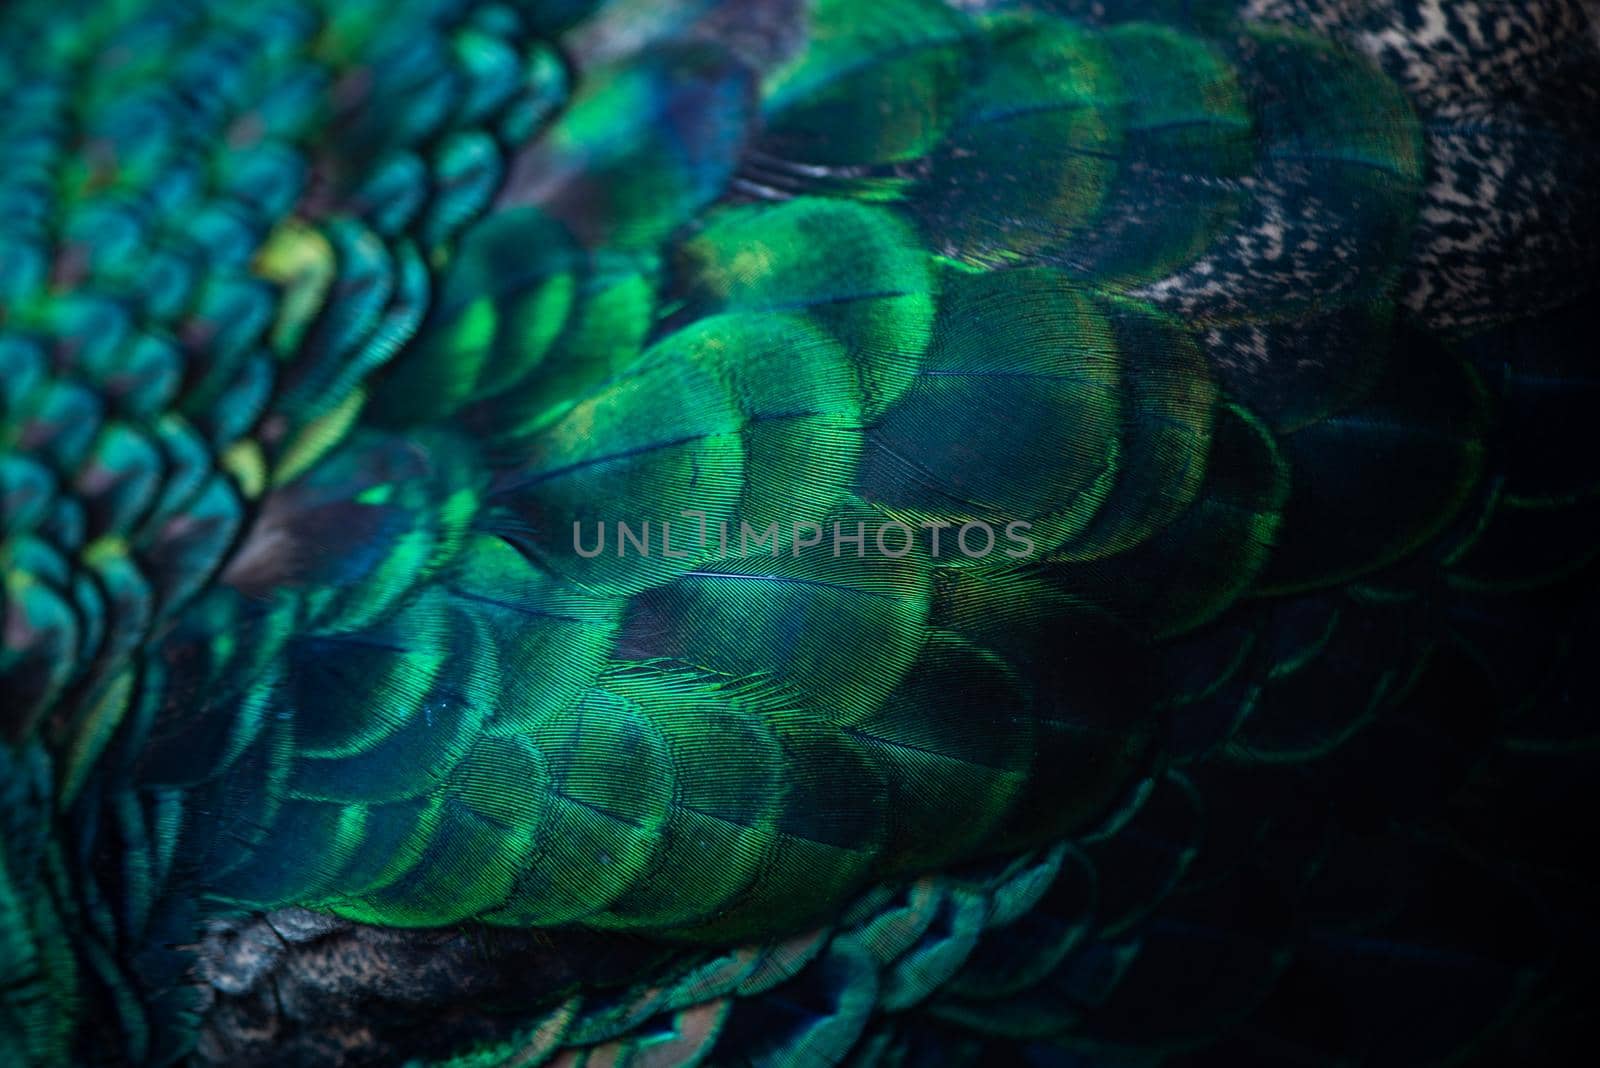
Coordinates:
907	56
335	334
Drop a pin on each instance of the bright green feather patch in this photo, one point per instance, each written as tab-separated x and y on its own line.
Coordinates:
837	622
697	734
931	269
661	438
859	272
660	797
800	396
907	57
506	298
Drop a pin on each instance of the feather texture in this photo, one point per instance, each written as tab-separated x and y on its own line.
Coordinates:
793	532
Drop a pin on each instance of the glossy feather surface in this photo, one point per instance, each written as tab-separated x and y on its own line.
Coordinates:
797	532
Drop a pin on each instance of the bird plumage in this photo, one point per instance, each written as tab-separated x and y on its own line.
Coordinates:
1096	530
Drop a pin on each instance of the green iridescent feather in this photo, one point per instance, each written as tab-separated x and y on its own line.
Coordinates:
334	335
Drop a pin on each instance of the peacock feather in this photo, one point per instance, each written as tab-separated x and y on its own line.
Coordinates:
797	532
